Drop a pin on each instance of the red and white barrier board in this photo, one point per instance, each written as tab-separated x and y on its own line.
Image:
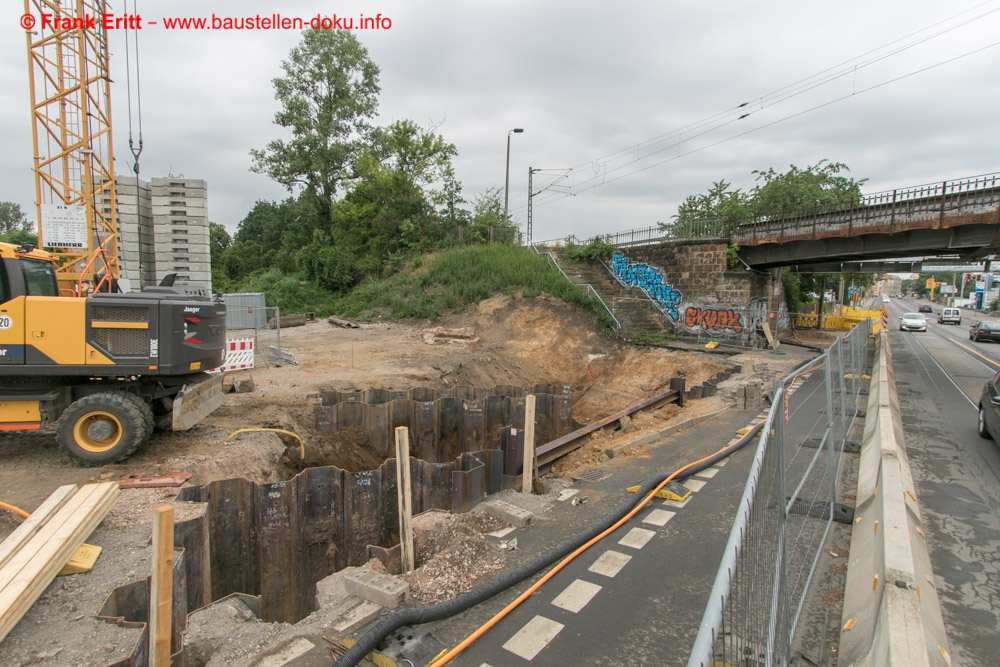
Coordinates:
239	355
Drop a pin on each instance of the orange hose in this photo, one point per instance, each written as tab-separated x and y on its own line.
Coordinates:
465	643
15	510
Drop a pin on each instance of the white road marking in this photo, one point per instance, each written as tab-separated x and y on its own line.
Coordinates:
695	485
677	503
576	596
708	473
659	517
636	538
533	637
610	563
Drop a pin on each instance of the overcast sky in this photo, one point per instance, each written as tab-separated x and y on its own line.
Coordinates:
640	99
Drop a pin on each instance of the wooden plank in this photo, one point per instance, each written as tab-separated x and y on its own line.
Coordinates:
27	555
57	541
161	586
29	572
34	522
31	581
404	493
771	340
529	463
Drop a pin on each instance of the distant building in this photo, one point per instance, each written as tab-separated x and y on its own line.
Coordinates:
163	230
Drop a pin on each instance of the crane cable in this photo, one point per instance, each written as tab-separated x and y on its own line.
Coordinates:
135	149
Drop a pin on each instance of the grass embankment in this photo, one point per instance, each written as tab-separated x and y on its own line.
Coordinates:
449	280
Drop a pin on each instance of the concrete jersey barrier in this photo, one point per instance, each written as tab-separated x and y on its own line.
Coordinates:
892	616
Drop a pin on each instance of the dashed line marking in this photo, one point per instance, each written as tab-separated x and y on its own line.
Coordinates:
708	473
533	637
576	596
695	485
636	538
659	517
610	563
677	503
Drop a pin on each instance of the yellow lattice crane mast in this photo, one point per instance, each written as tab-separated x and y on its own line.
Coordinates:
71	129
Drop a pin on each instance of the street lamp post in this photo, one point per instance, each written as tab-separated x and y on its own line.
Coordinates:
506	183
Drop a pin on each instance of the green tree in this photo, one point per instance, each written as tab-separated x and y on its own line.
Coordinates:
714	213
800	191
328	96
218	242
242	259
487	220
13	219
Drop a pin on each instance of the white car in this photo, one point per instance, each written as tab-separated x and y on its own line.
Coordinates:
913	322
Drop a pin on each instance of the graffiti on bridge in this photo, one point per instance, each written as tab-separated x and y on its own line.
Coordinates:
725	320
730	321
650	280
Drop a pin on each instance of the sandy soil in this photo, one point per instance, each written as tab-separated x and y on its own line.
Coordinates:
520	342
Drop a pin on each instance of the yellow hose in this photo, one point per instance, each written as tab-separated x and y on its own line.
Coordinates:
302	445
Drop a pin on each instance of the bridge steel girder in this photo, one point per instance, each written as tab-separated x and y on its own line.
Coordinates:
977	239
860	267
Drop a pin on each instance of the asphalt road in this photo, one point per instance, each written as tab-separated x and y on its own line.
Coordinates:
939	376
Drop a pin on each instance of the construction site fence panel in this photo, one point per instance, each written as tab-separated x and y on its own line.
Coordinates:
786	512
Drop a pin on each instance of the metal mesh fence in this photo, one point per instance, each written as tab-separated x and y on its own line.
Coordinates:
786	512
264	327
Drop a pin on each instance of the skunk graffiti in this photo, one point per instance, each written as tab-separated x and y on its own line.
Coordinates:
650	280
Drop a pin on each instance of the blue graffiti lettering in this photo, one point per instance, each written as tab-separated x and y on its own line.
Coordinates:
651	281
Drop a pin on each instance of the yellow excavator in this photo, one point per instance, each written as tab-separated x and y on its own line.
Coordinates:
107	368
104	367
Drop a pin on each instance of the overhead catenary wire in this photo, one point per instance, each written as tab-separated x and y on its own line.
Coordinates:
618	161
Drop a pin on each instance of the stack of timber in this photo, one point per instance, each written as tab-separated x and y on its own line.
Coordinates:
34	553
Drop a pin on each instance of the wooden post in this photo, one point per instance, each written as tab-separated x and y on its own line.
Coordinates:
529	443
404	494
161	587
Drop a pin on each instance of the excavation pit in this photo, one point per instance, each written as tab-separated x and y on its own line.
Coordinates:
274	541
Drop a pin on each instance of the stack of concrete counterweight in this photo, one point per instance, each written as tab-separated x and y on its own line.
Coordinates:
32	556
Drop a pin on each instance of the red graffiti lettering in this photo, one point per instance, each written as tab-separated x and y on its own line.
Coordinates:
714	319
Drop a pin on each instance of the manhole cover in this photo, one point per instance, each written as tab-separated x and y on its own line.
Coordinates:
594	476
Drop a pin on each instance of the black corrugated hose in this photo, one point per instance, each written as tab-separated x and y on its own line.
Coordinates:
419	615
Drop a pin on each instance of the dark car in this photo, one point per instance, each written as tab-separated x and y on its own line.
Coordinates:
985	331
989	409
925	309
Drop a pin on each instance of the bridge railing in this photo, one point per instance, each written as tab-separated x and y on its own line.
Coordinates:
975	199
694	230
